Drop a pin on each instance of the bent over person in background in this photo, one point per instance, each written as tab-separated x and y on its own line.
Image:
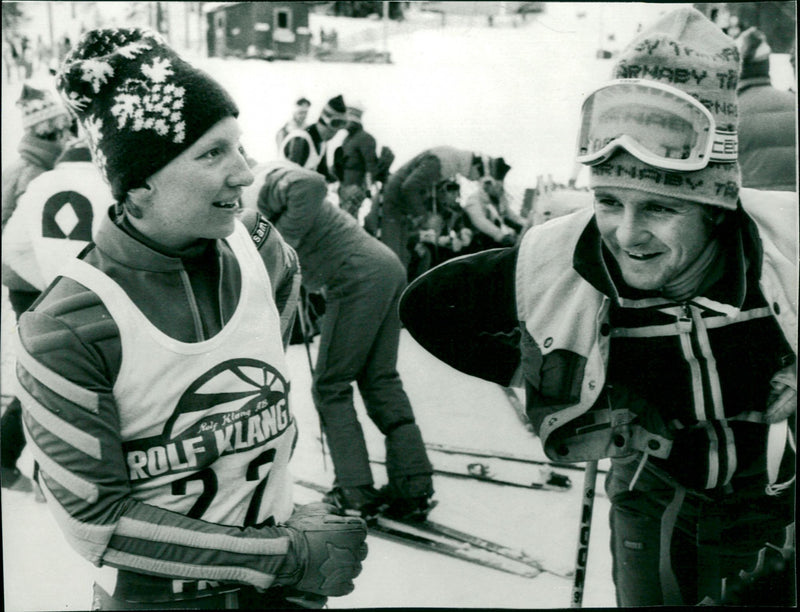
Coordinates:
361	280
658	329
153	375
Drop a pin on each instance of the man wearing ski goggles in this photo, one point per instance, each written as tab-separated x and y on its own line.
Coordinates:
657	328
308	146
657	123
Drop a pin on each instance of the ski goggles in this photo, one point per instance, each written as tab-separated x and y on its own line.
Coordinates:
337	123
658	124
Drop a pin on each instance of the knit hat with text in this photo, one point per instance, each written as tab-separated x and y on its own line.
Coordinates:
685	50
334	109
42	112
138	102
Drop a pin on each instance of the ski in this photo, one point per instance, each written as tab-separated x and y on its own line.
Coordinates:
516	554
506	456
496	471
435	537
421	535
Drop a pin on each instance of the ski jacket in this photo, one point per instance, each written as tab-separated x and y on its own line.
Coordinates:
767	136
359	157
153	371
544	316
35	156
293	199
492	218
408	189
56	218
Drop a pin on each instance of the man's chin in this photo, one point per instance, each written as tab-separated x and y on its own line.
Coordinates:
643	282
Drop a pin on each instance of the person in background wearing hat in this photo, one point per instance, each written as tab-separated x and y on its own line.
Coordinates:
46	127
767	120
309	147
493	221
658	328
408	193
57	216
152	371
361	280
297	122
356	162
444	234
52	222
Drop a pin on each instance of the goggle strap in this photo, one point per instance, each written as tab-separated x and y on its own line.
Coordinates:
725	148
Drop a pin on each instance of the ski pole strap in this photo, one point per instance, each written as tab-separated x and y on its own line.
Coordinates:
589	480
670	591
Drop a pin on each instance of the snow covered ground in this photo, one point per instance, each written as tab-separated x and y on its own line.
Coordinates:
510	91
42	573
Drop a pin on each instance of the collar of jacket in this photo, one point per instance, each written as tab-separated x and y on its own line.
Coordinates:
741	245
39	151
116	242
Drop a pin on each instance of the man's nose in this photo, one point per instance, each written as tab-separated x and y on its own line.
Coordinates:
632	230
241	175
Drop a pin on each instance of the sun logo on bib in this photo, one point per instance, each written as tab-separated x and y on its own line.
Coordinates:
242	403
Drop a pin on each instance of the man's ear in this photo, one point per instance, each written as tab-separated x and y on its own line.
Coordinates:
141	196
138	199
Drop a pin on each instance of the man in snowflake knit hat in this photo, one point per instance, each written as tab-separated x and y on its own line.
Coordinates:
153	376
629	321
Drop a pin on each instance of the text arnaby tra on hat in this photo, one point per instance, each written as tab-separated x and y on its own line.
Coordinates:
682	49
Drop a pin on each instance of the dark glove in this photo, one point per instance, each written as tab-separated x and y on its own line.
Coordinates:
508	240
327	550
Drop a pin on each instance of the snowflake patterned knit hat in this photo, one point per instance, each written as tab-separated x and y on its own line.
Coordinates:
685	50
138	102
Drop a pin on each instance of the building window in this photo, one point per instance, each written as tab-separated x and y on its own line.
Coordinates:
283	19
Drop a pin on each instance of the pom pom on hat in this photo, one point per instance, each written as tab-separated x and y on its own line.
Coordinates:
42	112
685	50
138	102
334	109
754	52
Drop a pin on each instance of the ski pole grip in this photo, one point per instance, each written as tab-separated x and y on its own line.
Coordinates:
589	480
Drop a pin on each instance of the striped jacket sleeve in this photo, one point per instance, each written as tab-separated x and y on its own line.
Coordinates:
72	425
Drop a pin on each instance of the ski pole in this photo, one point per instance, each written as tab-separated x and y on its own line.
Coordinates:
589	480
301	315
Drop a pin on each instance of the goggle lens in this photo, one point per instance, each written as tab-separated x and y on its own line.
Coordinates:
654	124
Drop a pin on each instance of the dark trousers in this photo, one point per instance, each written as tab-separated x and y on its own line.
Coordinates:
673	546
359	341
